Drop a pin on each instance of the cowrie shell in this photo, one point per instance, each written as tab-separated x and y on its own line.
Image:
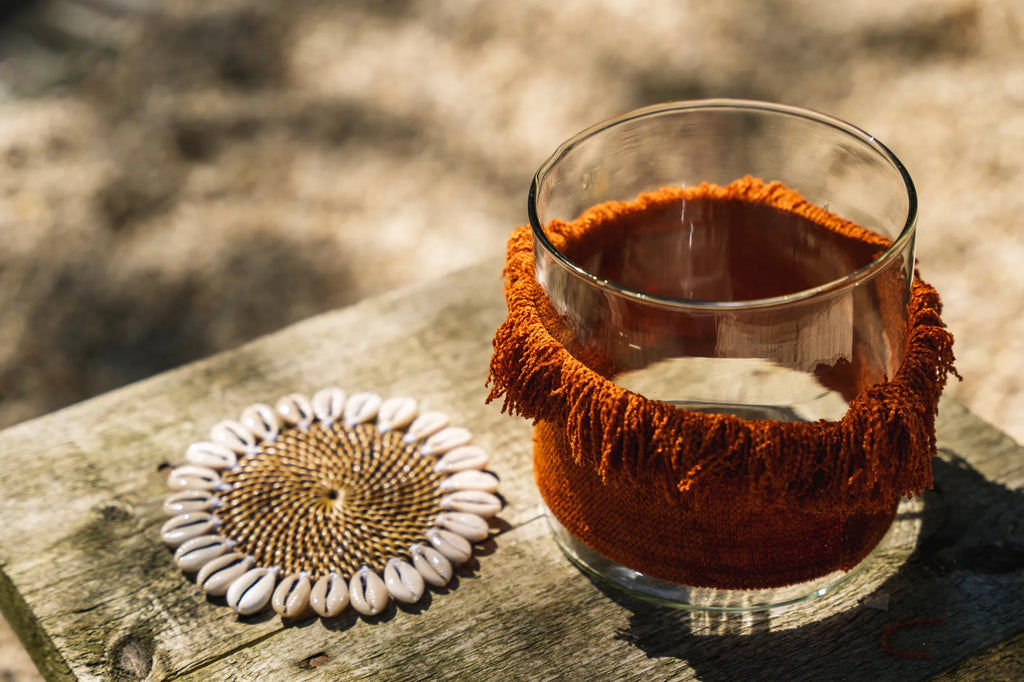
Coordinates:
461	459
329	405
261	420
221	569
186	501
396	413
469	526
361	407
454	547
446	439
329	595
194	553
404	583
184	527
296	410
425	425
367	592
251	592
193	477
218	574
472	501
431	564
233	435
291	598
470	479
211	455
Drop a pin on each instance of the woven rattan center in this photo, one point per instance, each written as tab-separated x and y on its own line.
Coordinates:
330	499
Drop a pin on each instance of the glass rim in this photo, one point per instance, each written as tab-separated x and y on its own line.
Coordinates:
844	283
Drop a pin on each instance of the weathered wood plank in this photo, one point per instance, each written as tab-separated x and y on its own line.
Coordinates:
1004	661
91	590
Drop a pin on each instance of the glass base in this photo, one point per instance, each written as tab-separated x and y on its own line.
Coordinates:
900	539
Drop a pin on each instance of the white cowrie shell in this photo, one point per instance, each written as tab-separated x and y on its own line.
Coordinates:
186	501
425	425
361	407
454	547
431	564
446	439
472	501
193	477
233	435
469	526
211	455
194	553
218	574
329	595
261	420
329	405
184	527
470	479
367	592
404	583
396	413
251	591
461	459
291	598
295	409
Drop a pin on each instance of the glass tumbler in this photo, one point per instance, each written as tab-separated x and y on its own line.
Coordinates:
721	310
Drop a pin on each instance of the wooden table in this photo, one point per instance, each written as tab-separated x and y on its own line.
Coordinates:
93	592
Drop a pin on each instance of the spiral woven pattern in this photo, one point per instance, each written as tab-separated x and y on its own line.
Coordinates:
330	499
315	505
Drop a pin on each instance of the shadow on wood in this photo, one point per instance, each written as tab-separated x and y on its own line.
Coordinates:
971	527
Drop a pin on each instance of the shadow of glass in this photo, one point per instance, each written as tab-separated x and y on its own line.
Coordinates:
966	568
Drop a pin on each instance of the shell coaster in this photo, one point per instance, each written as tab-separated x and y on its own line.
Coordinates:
324	503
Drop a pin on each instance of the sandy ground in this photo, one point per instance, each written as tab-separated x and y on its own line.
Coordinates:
176	178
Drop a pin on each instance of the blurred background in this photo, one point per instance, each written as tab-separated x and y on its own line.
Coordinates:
178	177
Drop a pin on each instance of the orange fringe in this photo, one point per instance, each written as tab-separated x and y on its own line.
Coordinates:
671	492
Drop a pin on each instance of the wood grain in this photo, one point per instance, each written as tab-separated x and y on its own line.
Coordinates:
93	593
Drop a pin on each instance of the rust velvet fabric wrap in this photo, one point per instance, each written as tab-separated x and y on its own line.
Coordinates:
714	500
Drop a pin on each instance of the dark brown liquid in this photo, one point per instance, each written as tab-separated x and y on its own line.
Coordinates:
719	250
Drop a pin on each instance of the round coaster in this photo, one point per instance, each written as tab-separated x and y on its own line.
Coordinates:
324	503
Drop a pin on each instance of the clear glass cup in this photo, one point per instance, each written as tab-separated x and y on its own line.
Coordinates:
746	314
